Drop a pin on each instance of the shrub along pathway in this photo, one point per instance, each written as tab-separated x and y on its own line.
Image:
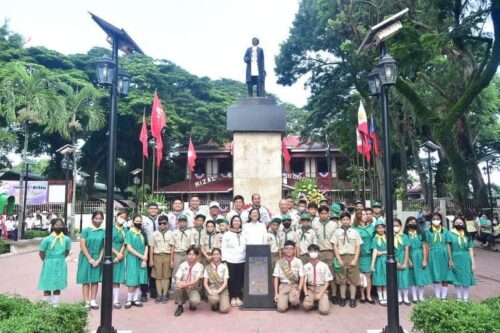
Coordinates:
19	275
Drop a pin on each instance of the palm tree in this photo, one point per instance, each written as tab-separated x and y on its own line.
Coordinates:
26	97
80	112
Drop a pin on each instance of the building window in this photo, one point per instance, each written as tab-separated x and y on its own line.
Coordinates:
200	170
225	167
322	167
298	166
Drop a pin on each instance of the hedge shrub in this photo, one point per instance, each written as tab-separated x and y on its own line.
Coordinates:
436	316
19	315
4	248
30	234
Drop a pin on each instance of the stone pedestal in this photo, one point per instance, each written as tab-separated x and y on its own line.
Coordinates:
257	125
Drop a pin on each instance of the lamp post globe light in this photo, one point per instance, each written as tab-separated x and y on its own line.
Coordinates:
374	82
108	76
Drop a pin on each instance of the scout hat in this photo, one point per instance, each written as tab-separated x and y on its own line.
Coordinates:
182	217
334	215
377	204
380	222
335	208
322	199
220	220
286	217
214	204
200	215
336	266
305	216
276	219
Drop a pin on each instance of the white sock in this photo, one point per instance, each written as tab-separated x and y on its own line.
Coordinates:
384	294
437	290
444	292
380	295
400	298
458	292
465	293
130	297
48	299
172	284
414	293
405	296
93	302
421	293
137	294
55	299
116	294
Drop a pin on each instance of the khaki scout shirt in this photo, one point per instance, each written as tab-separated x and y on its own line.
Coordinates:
324	232
286	235
305	239
208	242
274	241
188	273
181	240
161	242
346	241
295	266
196	235
318	274
221	270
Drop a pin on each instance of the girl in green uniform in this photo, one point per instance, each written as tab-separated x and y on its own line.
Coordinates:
461	252
419	255
53	251
137	262
366	231
402	253
89	271
436	237
119	233
379	256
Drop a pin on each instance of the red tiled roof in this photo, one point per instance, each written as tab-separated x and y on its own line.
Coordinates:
220	185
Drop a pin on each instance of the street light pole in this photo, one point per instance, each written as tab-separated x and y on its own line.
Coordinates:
431	190
488	171
82	197
66	177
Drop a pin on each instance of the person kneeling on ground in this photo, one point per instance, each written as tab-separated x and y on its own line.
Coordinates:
187	281
317	279
288	278
215	282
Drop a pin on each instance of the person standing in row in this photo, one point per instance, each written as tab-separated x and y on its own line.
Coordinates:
255	231
173	215
288	279
160	257
462	262
197	232
317	277
233	249
366	231
347	244
402	253
324	229
238	208
264	215
306	236
419	256
193	210
287	233
180	244
379	258
150	225
89	272
215	281
53	252
273	240
436	236
137	262
118	249
188	281
209	241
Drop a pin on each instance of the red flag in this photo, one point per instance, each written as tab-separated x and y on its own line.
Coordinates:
143	137
364	131
158	121
191	156
373	136
286	155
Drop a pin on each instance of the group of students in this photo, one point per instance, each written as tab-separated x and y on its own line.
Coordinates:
316	254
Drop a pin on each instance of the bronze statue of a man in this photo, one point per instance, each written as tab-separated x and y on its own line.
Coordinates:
255	74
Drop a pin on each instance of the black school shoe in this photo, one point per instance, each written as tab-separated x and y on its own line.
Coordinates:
192	308
138	304
335	300
179	311
342	302
215	307
164	299
144	298
352	303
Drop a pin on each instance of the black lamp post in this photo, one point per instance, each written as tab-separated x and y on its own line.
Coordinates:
109	75
430	147
66	165
137	182
27	163
487	171
83	184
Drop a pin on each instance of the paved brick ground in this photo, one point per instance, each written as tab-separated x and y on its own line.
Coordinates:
19	275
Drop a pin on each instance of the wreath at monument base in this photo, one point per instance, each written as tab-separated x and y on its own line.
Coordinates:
307	189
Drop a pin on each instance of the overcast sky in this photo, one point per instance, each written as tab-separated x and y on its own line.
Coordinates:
205	37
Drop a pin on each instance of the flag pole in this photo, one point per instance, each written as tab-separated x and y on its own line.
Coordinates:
363	179
142	182
153	168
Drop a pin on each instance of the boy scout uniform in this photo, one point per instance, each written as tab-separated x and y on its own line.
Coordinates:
210	241
324	232
161	243
288	235
347	240
315	278
181	242
274	242
289	274
306	238
187	273
216	275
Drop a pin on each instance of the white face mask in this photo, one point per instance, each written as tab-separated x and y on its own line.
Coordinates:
397	229
120	220
436	222
313	255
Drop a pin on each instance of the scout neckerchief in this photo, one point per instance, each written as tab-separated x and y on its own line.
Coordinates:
137	233
345	233
324	223
120	230
437	233
189	271
286	267
94	228
304	231
380	239
238	234
413	234
314	274
200	230
213	274
397	239
276	240
183	232
57	237
210	239
286	233
461	236
153	220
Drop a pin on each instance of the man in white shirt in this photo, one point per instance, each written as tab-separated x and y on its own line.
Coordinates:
238	209
193	210
30	221
173	215
265	216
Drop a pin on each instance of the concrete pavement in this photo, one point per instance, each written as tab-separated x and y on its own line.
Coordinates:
19	275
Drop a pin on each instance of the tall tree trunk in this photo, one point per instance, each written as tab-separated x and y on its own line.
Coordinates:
73	194
399	123
21	218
